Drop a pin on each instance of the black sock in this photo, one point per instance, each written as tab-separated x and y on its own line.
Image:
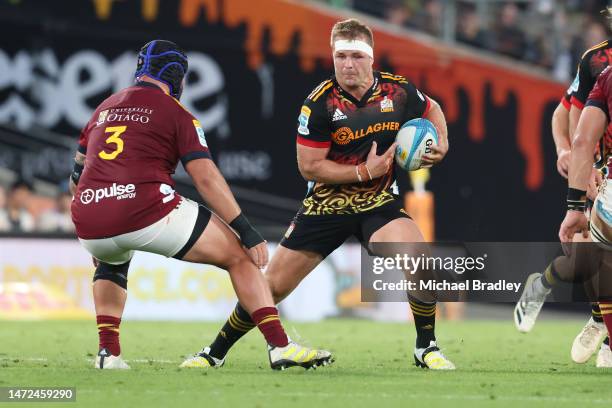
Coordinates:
424	322
596	313
550	276
238	324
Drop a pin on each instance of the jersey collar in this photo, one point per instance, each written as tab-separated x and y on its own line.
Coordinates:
145	84
365	97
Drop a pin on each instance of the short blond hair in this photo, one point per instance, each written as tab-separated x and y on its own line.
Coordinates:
352	29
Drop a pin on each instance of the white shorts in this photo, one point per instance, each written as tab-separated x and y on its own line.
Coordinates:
172	236
601	216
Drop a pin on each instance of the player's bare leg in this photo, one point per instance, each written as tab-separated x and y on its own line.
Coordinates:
426	353
110	295
219	246
287	269
109	298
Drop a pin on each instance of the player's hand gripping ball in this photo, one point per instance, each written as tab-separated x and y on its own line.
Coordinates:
414	139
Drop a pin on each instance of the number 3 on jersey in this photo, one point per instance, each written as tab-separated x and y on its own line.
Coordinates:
115	138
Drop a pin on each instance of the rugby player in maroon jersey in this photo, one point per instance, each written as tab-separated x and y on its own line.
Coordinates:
124	201
594	124
539	285
345	150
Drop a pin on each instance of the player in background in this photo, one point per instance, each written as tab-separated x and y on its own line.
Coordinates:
539	285
593	125
345	150
125	201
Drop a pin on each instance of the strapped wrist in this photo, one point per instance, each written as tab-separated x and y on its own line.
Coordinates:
77	170
248	235
576	199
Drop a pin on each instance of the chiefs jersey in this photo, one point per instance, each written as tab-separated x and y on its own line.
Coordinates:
332	118
133	143
593	62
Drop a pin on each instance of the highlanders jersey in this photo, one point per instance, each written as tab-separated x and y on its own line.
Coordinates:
133	143
332	118
601	97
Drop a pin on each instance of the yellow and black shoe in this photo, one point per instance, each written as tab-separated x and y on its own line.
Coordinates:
432	358
203	360
293	355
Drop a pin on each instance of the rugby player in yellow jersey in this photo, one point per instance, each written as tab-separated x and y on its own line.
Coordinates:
345	150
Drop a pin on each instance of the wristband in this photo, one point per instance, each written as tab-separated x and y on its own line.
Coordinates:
368	169
576	199
248	235
77	170
362	170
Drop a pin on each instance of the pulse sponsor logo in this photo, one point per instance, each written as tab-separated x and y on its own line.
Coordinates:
118	191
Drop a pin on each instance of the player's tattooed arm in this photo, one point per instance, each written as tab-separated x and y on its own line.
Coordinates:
436	116
79	165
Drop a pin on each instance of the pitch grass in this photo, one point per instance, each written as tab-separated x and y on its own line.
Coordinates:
496	367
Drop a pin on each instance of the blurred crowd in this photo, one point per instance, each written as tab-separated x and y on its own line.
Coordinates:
552	34
21	210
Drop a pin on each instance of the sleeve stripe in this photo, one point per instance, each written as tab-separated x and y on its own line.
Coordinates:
577	103
566	104
427	107
318	88
200	154
322	91
312	143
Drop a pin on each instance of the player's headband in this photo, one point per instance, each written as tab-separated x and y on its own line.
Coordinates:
354	45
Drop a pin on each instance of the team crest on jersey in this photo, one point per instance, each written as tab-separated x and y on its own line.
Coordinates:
386	105
200	131
303	121
102	117
338	115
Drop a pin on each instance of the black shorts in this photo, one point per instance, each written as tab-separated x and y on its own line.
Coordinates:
324	233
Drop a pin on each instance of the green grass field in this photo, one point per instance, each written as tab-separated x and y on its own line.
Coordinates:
496	367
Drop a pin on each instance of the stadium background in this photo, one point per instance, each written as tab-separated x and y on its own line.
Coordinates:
251	65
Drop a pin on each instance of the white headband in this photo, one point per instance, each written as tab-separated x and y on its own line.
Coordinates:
354	45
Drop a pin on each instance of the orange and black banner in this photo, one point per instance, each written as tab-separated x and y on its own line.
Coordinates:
252	63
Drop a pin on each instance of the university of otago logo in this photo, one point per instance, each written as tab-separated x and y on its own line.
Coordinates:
343	135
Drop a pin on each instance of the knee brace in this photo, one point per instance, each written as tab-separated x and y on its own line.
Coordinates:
114	273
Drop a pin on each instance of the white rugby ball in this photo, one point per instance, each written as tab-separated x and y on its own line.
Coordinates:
414	139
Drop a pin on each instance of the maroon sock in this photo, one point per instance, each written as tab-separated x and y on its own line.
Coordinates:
270	326
606	314
108	331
